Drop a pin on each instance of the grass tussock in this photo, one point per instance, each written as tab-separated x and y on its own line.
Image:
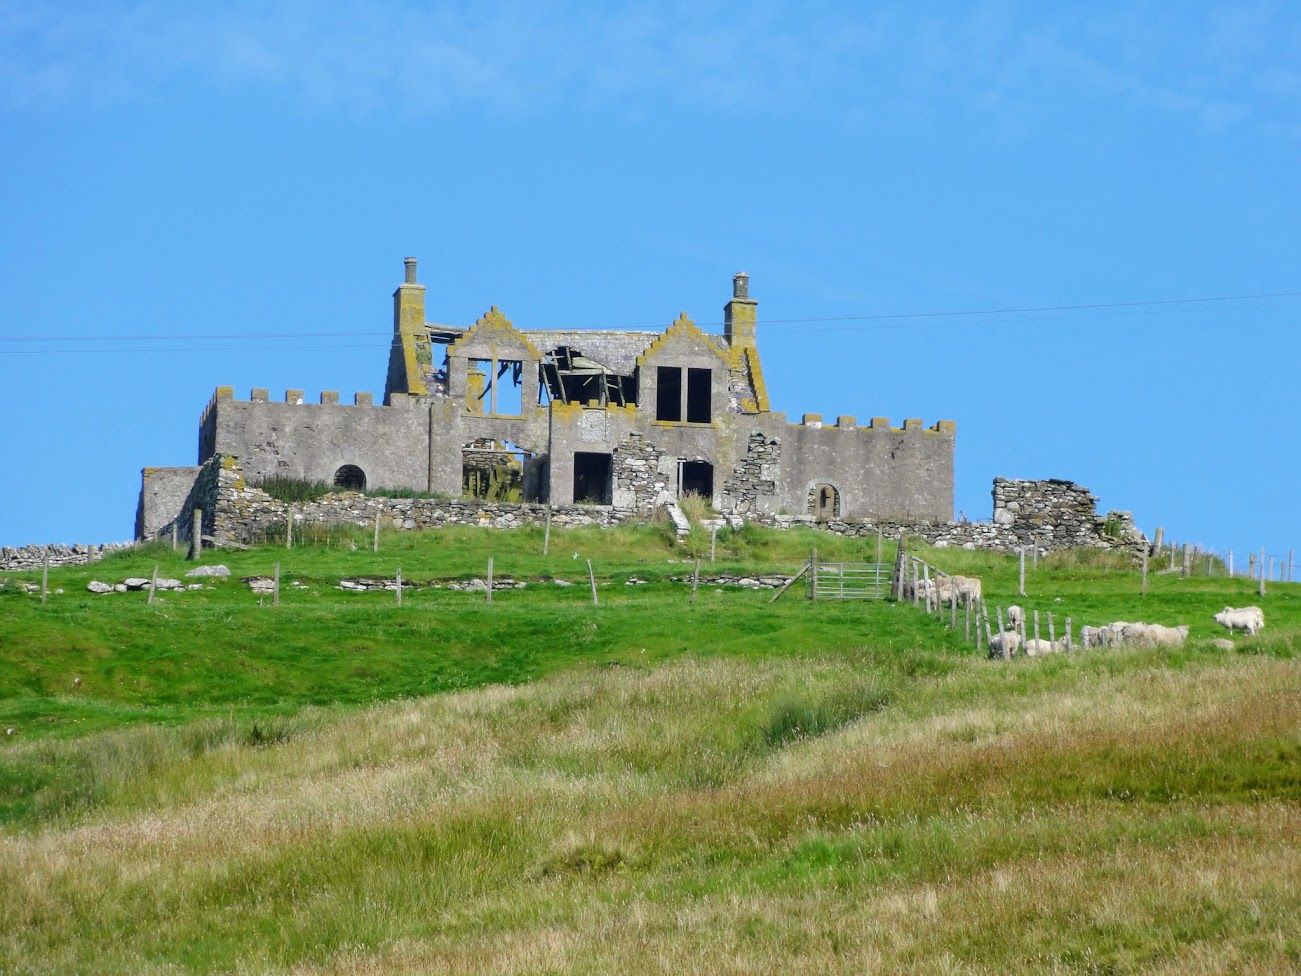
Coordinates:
704	816
338	785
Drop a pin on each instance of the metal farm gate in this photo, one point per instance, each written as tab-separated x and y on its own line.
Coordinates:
849	581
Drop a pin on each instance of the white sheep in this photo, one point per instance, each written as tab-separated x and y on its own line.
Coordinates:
1250	619
1004	645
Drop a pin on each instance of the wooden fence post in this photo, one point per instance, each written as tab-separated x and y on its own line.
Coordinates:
1068	633
546	535
275	588
174	535
966	618
591	576
398	579
375	544
878	547
196	536
489	579
1156	539
695	581
813	574
1052	633
1036	630
1185	567
1021	585
713	541
289	526
153	586
45	577
953	607
1144	572
1230	563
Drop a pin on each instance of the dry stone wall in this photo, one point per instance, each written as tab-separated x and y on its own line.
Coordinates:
1050	514
33	557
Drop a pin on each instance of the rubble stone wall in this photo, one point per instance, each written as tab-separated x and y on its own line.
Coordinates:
33	557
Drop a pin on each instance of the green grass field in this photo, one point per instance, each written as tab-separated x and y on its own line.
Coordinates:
342	785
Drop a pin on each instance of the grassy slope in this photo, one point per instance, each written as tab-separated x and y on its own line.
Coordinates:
795	788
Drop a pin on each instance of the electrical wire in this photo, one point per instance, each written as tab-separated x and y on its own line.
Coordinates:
841	323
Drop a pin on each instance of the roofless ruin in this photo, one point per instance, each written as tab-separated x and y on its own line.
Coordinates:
622	419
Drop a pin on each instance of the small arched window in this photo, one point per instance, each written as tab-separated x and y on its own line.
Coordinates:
351	477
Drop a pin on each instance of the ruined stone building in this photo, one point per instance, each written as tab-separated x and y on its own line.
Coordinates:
612	418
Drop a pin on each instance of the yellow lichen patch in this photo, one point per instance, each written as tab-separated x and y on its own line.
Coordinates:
493	324
682	327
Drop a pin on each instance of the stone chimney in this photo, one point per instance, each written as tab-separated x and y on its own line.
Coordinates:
740	314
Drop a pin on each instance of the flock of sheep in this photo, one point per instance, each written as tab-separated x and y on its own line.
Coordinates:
1012	640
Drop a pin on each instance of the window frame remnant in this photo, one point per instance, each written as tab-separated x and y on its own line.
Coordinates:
668	394
700	391
487	402
499	475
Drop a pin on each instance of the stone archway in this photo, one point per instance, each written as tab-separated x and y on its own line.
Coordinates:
824	502
350	477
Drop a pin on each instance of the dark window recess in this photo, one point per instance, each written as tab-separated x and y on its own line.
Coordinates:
697	478
351	477
592	482
698	392
668	393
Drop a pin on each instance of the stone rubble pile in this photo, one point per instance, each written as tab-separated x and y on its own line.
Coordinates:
362	584
136	584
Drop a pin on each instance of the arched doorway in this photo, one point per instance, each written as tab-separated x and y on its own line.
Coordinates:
824	502
351	477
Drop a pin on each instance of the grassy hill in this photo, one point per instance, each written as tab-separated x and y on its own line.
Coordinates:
341	785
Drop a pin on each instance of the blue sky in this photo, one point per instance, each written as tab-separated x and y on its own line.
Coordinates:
236	188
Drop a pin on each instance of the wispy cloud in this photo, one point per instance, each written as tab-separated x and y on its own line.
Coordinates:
1005	62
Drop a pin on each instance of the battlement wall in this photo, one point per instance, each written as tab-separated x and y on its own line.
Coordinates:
874	471
313	441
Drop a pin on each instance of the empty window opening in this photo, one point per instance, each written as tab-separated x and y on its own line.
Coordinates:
668	393
699	389
696	478
493	470
592	482
824	502
495	387
570	377
351	477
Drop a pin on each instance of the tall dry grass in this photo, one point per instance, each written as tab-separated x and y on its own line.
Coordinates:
718	817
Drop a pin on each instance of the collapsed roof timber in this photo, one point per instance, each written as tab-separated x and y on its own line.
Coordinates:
620	418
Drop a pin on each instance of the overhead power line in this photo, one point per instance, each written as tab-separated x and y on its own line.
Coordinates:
839	323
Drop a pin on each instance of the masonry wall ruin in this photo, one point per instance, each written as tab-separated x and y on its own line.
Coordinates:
628	419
